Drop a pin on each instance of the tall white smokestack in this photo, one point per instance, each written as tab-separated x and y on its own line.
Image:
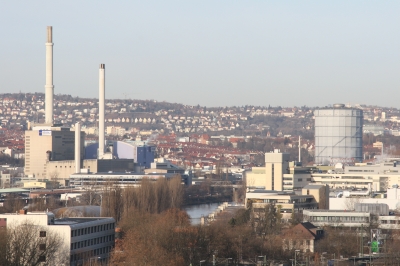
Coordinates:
49	77
102	93
299	149
77	147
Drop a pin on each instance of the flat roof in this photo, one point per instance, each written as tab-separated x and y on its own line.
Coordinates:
332	211
76	220
117	173
272	192
313	186
13	190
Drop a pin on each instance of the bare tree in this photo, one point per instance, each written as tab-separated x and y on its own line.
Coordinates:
350	203
54	178
30	244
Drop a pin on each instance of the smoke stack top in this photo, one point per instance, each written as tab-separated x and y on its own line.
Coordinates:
49	34
102	92
49	87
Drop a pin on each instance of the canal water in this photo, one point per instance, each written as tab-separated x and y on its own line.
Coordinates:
195	211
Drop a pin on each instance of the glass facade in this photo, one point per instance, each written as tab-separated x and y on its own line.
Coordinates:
338	136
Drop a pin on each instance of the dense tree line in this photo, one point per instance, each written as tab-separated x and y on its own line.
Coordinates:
150	197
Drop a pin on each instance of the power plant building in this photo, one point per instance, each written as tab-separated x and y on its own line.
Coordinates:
54	152
338	135
47	143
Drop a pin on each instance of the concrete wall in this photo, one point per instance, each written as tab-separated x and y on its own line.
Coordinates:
256	178
35	153
348	203
276	164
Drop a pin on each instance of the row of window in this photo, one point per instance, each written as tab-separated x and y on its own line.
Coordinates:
366	171
91	242
346	219
92	229
91	253
390	222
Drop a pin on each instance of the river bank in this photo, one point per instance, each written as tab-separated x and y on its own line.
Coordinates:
197	200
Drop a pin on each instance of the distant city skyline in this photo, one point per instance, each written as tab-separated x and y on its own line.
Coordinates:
206	52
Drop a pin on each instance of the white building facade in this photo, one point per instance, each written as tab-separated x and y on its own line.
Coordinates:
84	239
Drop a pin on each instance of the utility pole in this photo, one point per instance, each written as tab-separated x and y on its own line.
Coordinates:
362	241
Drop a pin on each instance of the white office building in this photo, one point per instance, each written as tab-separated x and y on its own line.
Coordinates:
85	239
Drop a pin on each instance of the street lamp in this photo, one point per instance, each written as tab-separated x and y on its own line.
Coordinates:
66	200
264	259
202	262
295	256
101	203
322	256
227	261
354	260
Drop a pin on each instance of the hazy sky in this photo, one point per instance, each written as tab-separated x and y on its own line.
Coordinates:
214	53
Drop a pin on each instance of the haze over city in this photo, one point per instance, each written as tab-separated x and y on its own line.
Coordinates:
180	133
206	52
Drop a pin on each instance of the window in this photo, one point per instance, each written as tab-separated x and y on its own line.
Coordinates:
42	247
273	176
42	233
42	258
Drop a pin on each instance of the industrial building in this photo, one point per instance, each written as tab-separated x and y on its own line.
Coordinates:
338	135
278	174
159	169
54	152
374	177
347	202
116	178
44	144
142	154
85	239
288	202
354	219
337	218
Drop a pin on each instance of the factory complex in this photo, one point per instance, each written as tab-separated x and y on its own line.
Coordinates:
56	157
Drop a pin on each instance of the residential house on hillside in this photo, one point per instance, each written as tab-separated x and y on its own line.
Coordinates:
303	237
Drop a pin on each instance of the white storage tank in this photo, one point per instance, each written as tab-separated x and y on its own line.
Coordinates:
338	135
